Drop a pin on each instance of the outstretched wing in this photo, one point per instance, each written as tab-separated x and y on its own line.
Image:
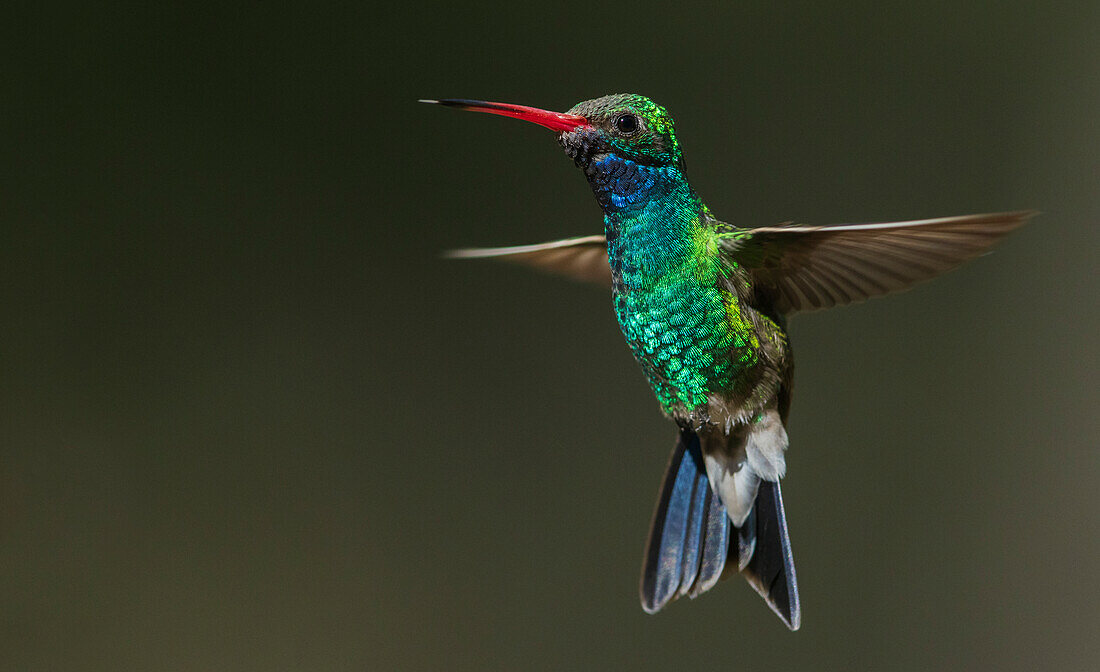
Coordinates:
812	267
578	258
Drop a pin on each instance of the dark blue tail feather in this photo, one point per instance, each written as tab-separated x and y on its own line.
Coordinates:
770	570
677	548
689	541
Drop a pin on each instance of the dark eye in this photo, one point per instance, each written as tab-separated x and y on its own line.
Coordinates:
626	123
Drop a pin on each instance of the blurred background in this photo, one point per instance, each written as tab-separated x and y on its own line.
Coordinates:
250	420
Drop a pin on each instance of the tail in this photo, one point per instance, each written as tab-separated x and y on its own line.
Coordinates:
770	570
689	545
689	537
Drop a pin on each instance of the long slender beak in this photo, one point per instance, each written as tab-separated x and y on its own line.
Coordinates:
555	121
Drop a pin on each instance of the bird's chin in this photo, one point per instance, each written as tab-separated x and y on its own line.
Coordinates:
580	146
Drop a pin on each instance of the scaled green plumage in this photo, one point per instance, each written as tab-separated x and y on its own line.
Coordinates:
674	291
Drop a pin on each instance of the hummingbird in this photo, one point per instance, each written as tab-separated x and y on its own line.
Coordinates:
703	305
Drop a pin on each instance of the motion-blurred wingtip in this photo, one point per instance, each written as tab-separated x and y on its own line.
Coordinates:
466	253
1022	215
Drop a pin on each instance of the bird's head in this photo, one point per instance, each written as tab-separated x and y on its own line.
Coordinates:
626	125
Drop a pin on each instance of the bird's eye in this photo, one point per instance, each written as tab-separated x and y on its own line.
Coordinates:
626	123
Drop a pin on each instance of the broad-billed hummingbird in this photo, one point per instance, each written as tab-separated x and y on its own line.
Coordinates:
703	305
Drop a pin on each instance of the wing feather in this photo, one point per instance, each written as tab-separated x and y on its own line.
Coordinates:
582	258
813	267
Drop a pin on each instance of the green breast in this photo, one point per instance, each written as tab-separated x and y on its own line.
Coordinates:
671	296
686	330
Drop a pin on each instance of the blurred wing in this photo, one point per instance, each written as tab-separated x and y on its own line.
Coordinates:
578	258
813	267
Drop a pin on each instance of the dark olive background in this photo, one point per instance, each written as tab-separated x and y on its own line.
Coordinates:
250	420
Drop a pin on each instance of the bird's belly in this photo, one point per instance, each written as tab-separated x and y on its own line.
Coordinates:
690	341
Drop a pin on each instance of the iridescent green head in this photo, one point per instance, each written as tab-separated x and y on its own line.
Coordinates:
626	125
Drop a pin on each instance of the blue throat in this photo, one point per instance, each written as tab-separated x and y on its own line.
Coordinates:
649	216
622	185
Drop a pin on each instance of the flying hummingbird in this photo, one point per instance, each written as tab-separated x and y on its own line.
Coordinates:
703	305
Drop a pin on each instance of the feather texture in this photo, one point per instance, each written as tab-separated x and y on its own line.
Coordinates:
692	543
813	267
689	536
